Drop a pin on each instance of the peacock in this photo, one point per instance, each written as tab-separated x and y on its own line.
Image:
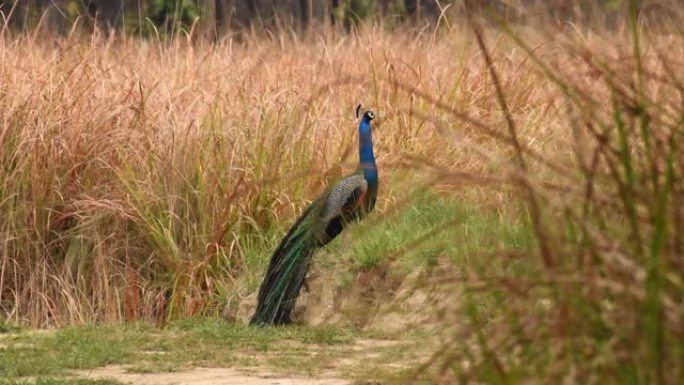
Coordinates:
349	200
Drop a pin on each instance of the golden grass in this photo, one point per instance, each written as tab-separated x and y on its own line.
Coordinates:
139	179
131	168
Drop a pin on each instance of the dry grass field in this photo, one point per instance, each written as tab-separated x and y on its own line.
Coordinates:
148	180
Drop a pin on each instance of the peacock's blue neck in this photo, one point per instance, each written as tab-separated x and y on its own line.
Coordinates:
366	156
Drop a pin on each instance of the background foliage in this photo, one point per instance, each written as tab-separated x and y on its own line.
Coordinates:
217	18
148	174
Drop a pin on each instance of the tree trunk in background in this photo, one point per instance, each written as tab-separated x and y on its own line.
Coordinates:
52	16
252	6
205	24
412	9
321	11
19	17
221	12
383	8
27	14
305	7
335	5
109	13
239	13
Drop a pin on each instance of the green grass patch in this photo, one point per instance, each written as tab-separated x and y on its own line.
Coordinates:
82	347
50	356
7	327
434	226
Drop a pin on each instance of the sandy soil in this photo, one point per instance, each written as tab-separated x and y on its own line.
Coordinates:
374	301
203	376
363	349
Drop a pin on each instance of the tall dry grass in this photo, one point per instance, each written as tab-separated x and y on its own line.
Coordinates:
605	305
140	179
145	180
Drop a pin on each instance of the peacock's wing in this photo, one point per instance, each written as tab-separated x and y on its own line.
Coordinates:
322	221
340	205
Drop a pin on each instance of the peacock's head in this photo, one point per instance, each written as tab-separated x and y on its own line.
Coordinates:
367	116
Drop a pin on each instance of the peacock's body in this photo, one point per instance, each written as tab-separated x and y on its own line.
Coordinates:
347	201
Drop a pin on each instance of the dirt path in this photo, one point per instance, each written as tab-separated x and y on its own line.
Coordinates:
356	344
203	376
362	351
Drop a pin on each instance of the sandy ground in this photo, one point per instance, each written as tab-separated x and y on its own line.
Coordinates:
412	305
363	349
203	376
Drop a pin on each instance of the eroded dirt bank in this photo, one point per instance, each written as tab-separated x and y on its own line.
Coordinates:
382	300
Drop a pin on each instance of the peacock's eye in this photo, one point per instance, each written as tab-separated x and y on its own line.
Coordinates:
371	115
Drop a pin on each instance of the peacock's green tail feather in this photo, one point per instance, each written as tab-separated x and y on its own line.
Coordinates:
287	269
